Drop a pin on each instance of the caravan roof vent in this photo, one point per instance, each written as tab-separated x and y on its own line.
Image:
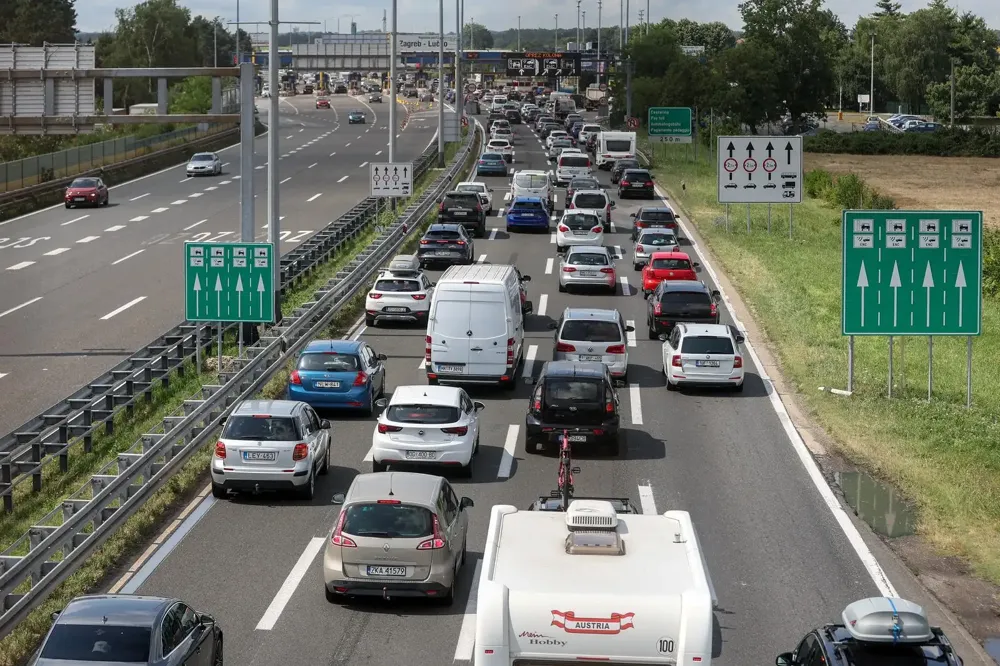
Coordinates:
887	620
591	515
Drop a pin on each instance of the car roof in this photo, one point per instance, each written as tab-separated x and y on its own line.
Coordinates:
525	197
270	407
209	154
591	313
319	346
670	255
410	487
423	395
685	285
708	330
589	249
114	609
658	209
471	182
443	226
573	369
493	156
531	172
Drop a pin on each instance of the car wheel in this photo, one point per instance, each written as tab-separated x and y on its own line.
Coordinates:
333	597
308	491
467	471
219	491
562	288
378	467
507	228
653	335
370	320
218	658
68	206
739	387
670	385
637	267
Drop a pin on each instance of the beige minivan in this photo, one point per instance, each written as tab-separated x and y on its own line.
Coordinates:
399	534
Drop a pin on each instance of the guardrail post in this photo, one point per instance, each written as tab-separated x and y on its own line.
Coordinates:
64	453
130	392
147	378
88	439
109	408
165	379
180	357
36	475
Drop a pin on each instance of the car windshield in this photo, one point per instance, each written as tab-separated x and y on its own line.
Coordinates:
586	200
107	643
588	330
657	240
587	259
261	428
671	264
202	158
492	157
565	390
656	216
530	181
329	362
632	174
574	161
83	183
527	205
429	414
499	143
472	187
579	221
443	234
704	344
397	285
625	164
389	519
591	128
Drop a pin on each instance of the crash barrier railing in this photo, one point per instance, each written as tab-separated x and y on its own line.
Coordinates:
70	425
66	537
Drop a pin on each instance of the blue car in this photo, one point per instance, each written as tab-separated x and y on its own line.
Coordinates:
338	374
528	213
491	164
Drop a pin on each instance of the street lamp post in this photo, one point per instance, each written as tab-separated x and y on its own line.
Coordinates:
583	31
599	4
519	34
556	47
215	42
440	160
578	24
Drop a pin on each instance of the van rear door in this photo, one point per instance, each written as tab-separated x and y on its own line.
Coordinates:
489	326
449	331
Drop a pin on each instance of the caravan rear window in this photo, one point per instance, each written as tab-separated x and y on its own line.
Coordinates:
618	145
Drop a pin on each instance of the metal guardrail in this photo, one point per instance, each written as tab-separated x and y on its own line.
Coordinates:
66	537
52	435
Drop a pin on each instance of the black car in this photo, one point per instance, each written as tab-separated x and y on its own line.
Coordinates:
494	116
548	128
620	166
465	208
636	182
446	244
573	394
680	300
513	116
653	217
581	183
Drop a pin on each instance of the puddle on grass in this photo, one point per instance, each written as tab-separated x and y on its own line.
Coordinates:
877	504
992	647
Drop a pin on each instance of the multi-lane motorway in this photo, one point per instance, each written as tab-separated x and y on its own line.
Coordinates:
84	288
781	559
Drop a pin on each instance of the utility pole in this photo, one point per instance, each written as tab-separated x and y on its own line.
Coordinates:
519	34
621	25
628	17
871	89
648	17
556	47
459	88
392	89
215	43
628	89
238	59
583	33
578	24
440	160
383	20
599	3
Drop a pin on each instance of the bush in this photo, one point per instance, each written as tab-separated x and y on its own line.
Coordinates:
976	142
848	191
991	262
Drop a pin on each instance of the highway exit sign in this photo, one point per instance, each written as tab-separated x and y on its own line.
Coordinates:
229	282
670	124
908	272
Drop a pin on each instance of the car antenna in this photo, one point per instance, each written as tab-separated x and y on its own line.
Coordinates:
391	494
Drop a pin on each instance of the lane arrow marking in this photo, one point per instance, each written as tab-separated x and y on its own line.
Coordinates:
895	283
960	284
749	149
730	148
769	149
788	152
862	285
197	294
928	285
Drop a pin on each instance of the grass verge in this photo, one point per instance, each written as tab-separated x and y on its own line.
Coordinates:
943	457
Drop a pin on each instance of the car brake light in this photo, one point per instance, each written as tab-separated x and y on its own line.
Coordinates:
375	295
563	228
424	241
649	183
713	310
738	362
510	351
609	406
441	207
418	297
383	428
338	538
597	230
459	242
460	430
436	542
220	449
616	349
608	270
427	349
624	182
295	378
569	269
657	309
638	248
565	347
300	452
388	502
361	379
571	205
675	360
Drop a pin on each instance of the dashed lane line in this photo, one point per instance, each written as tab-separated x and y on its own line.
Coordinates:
543	305
630	335
77	219
23	264
636	403
509	446
18	307
88	239
127	257
529	360
342	179
549	263
117	311
57	251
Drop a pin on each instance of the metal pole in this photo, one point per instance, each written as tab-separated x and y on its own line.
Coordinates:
238	54
555	46
440	160
578	24
392	88
748	219
583	29
197	348
599	3
273	152
871	81
240	352
459	88
930	367
218	348
647	17
519	34
850	364
890	366
621	25
215	43
628	89
768	218
790	220
952	123
246	151
968	372
627	19
727	218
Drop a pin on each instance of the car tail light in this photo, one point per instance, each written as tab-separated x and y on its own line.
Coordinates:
563	228
441	207
639	224
482	161
459	242
427	349
597	230
479	208
609	405
675	360
569	269
295	378
383	428
607	270
338	538
616	349
460	430
564	347
424	241
649	183
375	295
737	361
713	310
625	183
638	248
436	542
418	297
361	379
300	452
510	351
220	449
657	308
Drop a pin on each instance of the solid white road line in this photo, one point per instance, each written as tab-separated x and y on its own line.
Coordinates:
636	403
159	210
625	290
509	446
127	256
82	217
117	227
22	305
58	250
467	634
88	239
288	179
363	165
377	153
482	259
314	197
548	265
123	308
287	589
23	264
312	165
178	202
139	218
543	304
139	197
630	335
646	501
552	239
343	178
195	225
529	360
493	234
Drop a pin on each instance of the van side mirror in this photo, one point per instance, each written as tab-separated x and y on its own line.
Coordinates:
614	205
55	615
338	498
740	339
633	214
716	294
222	421
465	503
783	659
696	264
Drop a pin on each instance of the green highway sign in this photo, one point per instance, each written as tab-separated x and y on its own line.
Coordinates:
669	124
911	272
229	282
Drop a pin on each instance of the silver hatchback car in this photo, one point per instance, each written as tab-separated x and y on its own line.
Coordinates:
587	266
650	241
584	334
271	445
399	534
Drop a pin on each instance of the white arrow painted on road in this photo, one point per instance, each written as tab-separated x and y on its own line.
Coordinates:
218	295
895	283
928	285
239	296
862	285
260	292
960	285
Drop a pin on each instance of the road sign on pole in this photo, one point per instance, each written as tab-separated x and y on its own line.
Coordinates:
909	272
391	180
669	124
759	169
632	123
229	282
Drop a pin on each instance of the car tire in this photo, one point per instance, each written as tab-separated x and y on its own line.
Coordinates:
219	491
637	267
671	386
333	597
653	335
370	321
68	206
378	467
308	491
562	288
218	656
739	387
467	471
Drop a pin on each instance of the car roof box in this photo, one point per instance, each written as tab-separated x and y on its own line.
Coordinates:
887	620
404	265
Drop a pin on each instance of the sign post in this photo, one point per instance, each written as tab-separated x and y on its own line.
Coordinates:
229	282
670	124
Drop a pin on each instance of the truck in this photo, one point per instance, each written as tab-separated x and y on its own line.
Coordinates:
595	96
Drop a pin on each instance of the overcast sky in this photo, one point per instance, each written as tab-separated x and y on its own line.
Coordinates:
421	15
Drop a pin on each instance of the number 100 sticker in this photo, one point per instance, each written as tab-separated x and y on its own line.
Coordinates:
665	646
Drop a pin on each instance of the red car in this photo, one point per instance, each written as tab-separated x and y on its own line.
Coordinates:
87	192
322	103
667	266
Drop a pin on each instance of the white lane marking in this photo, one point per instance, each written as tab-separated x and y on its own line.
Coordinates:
500	211
333	153
127	256
342	179
630	335
543	304
195	225
195	195
259	167
287	589
636	403
347	145
123	308
234	178
548	265
211	188
82	217
314	197
159	210
363	165
23	264
58	250
88	239
287	138
3	374
225	182
359	136
493	234
482	259
529	360
613	229
423	364
186	179
618	252
646	500
377	153
139	218
509	446
117	227
139	197
22	305
552	239
368	456
288	179
467	634
625	289
178	202
225	164
303	129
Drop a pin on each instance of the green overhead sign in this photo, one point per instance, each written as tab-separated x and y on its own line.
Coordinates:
229	282
669	124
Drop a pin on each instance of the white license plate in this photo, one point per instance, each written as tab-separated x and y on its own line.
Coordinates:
421	455
596	359
394	309
386	571
444	253
79	198
451	368
637	185
706	364
458	212
260	455
327	384
578	438
588	273
580	233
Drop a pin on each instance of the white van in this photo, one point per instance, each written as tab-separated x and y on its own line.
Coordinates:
613	146
571	165
533	183
475	331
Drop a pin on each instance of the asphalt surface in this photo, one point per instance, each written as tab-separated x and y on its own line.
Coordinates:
84	288
780	563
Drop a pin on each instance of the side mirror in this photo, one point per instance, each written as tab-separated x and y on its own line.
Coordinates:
696	264
553	325
630	329
338	498
324	425
740	339
652	177
525	278
55	615
614	205
527	308
480	406
716	294
381	403
465	503
205	619
645	295
222	421
633	214
662	337
783	659
383	357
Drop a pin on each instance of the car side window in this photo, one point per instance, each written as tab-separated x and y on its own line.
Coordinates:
675	338
451	502
313	419
189	620
170	629
305	425
367	356
808	651
426	282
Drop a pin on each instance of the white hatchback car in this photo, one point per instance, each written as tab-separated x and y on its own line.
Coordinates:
427	425
555	134
703	355
484	191
400	295
579	228
502	146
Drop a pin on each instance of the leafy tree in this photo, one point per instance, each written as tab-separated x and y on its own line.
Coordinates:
715	36
919	52
476	36
192	95
977	93
749	86
887	8
34	22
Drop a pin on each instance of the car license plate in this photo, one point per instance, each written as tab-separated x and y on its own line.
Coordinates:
421	455
395	309
451	368
584	357
578	438
637	185
588	273
327	384
386	571
443	253
79	198
459	212
706	364
260	455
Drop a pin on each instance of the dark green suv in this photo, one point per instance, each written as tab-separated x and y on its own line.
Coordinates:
356	117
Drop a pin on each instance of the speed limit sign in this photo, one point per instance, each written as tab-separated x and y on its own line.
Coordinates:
632	123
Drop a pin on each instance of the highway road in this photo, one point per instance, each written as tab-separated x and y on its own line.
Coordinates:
783	555
84	288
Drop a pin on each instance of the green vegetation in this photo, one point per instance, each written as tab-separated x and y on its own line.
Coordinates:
946	142
941	455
